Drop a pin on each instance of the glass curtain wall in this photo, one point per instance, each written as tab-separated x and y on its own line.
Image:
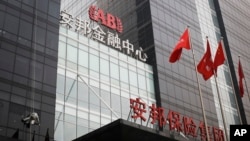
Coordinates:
94	85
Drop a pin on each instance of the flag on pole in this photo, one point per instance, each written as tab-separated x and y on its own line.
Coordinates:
205	66
183	42
219	57
241	76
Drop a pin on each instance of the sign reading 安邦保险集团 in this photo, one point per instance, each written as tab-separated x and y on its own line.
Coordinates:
96	32
183	124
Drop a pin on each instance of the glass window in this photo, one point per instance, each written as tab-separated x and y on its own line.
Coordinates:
93	51
114	60
49	76
114	72
94	83
70	87
141	81
104	64
115	102
104	48
71	53
72	42
83	47
62	38
123	56
83	91
94	99
84	116
71	111
124	74
11	23
69	131
41	36
6	60
51	40
22	65
94	62
113	52
43	5
59	131
105	56
60	84
54	9
81	130
62	49
94	44
133	78
25	29
83	58
84	39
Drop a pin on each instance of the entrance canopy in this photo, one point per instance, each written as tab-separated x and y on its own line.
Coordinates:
122	130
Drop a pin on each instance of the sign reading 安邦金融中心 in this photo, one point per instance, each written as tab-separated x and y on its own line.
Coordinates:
96	32
184	125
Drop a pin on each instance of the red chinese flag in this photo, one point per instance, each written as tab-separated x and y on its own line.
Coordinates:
241	76
219	57
205	66
182	43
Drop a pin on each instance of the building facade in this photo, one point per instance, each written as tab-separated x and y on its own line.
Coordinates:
81	65
28	66
155	27
234	28
95	84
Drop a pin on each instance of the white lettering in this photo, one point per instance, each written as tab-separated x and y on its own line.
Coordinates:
66	18
113	40
240	132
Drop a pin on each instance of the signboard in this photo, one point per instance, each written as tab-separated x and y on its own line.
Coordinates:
176	122
84	27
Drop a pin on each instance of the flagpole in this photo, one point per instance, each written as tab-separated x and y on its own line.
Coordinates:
245	84
222	113
201	97
233	87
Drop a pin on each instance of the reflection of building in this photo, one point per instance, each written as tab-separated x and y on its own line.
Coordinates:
28	64
154	27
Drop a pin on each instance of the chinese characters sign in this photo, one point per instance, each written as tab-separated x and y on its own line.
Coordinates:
88	29
176	122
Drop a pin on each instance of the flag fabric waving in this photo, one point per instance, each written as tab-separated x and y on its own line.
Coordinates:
219	57
182	43
205	66
241	76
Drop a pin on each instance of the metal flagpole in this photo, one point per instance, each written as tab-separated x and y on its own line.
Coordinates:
245	84
200	93
233	87
222	110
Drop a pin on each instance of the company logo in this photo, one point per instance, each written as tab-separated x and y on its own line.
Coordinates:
108	19
239	132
